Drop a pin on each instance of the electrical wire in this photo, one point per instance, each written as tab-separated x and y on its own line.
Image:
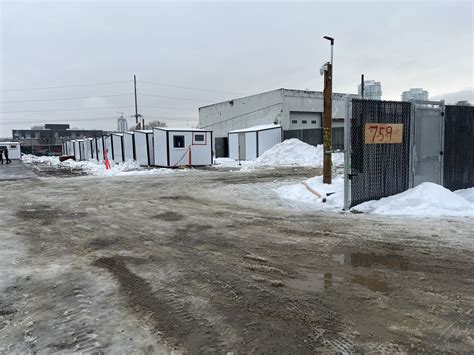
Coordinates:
101	108
67	86
189	88
63	99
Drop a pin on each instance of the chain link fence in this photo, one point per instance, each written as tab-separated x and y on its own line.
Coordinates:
378	170
459	147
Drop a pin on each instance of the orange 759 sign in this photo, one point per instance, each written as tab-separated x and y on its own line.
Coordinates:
376	133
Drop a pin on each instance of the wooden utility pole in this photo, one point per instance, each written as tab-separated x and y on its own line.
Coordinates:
136	105
327	124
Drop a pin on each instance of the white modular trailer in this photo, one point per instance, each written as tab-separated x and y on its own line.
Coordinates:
88	154
250	143
108	147
128	146
70	148
14	149
144	147
182	146
117	147
79	149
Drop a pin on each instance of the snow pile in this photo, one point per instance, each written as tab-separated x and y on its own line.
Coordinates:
93	167
295	152
33	159
300	193
467	194
291	152
424	200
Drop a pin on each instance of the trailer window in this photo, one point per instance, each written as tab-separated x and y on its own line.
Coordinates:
178	141
199	137
13	147
304	122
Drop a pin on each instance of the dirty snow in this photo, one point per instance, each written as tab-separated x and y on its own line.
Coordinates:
93	167
424	200
291	152
300	193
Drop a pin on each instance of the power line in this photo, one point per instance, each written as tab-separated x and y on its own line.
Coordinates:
61	120
102	108
67	86
190	88
176	98
63	99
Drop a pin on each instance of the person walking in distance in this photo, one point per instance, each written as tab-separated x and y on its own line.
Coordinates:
1	156
6	156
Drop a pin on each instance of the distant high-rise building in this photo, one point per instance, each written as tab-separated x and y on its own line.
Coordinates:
463	103
372	90
122	125
415	94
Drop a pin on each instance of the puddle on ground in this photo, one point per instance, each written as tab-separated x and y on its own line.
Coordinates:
391	261
313	282
371	283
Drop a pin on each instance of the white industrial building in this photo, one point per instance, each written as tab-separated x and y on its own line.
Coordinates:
144	147
182	146
372	90
250	143
14	151
417	94
299	113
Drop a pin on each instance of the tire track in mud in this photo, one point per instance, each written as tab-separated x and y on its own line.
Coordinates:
171	315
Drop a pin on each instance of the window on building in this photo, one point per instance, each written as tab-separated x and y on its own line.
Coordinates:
178	141
294	121
304	121
313	122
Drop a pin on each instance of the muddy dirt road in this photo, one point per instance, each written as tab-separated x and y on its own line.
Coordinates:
216	262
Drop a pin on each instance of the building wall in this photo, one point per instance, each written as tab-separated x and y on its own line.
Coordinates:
283	105
241	113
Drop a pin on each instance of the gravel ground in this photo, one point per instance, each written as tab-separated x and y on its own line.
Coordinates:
213	261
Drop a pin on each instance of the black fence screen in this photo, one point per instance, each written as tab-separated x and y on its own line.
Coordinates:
459	147
381	169
221	147
314	136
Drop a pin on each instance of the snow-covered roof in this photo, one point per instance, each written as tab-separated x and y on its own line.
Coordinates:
256	128
144	130
181	129
118	134
9	143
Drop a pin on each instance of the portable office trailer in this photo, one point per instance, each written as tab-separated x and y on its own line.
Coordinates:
94	148
14	149
250	143
117	147
108	147
79	149
144	147
99	143
182	146
69	148
88	148
128	146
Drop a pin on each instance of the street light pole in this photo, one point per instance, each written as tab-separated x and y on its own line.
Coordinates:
327	117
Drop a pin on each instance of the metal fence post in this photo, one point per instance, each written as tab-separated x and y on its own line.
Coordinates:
347	154
411	162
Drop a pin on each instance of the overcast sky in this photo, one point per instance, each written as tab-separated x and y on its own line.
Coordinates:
224	49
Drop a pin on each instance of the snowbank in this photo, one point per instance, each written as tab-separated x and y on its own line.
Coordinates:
424	200
93	167
291	152
467	194
300	193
